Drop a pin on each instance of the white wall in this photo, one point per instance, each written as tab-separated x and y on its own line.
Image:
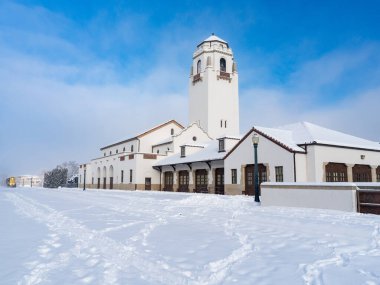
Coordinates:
145	169
319	155
154	137
119	149
301	167
163	149
268	153
334	196
186	136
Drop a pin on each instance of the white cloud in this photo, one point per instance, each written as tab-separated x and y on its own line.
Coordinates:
59	109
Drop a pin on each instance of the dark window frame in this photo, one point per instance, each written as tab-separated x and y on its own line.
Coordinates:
199	66
223	64
336	172
234	176
222	145
279	171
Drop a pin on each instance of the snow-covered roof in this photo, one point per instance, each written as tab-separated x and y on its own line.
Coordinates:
145	133
192	144
307	133
229	137
164	141
282	137
213	38
208	153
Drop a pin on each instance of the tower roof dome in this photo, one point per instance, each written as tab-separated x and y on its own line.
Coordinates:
213	38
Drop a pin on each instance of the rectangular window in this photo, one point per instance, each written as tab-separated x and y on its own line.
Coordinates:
234	176
378	177
221	145
130	175
225	124
279	174
183	153
122	176
92	182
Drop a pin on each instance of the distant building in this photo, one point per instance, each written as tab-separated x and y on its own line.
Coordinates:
28	181
210	155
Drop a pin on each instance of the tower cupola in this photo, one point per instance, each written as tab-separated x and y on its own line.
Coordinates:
213	88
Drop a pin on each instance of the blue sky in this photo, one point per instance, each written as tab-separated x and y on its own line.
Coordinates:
78	75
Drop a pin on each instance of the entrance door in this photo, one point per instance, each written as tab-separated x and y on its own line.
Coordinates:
99	183
148	183
249	178
111	182
201	181
168	181
183	176
104	183
219	181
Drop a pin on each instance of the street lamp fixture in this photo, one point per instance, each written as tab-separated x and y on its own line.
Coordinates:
255	141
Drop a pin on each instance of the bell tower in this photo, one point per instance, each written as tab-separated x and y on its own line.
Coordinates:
213	88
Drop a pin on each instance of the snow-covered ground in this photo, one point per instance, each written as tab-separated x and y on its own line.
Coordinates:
67	236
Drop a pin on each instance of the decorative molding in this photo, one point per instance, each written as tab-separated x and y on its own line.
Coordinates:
211	51
196	78
224	75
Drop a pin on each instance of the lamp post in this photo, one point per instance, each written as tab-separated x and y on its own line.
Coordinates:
84	177
255	141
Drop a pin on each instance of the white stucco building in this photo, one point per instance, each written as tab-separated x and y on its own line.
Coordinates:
211	156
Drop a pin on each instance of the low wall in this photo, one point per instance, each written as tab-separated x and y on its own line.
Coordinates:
334	196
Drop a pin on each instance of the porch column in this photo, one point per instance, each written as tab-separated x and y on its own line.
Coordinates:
349	172
324	178
373	172
175	181
191	180
242	178
212	181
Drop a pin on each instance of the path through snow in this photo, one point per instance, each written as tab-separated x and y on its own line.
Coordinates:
68	236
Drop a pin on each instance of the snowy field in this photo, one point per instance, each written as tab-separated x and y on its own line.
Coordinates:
68	236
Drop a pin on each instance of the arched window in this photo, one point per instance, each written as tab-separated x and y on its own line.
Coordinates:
361	173
199	67
172	131
223	65
131	148
336	172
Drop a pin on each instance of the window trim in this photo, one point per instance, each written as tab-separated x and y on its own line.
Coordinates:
279	174
233	176
199	66
222	145
225	64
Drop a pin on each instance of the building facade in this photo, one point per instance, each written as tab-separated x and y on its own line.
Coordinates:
210	155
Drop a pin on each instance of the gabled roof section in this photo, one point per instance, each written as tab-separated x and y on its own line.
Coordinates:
308	133
145	133
279	137
208	152
159	127
190	126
